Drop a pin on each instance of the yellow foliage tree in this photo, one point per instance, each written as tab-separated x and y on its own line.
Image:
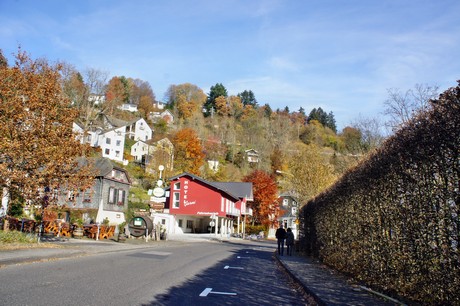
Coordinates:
38	149
309	172
188	152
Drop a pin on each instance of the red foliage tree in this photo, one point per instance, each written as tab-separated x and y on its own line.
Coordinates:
265	206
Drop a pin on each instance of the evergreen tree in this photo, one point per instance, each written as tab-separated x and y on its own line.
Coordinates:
215	92
247	98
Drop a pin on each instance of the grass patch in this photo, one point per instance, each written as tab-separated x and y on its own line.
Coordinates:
17	237
14	240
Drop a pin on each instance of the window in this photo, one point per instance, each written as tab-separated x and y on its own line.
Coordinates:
117	153
87	196
111	195
121	197
180	222
55	195
108	141
176	200
189	224
294	210
118	143
177	186
107	151
163	221
285	202
71	196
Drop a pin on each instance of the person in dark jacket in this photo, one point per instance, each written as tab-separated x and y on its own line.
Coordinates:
280	236
289	241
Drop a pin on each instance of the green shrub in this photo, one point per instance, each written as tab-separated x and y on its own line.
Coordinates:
255	229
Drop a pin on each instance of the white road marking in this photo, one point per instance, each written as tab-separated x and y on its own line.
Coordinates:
242	257
157	253
209	290
228	267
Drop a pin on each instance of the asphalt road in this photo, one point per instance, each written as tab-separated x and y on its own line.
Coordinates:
187	273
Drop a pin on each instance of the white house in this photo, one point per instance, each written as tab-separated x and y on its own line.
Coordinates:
139	149
96	99
252	156
159	104
112	143
139	130
128	107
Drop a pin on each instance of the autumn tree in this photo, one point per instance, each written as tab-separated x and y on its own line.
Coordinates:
83	90
38	150
351	138
186	98
235	107
188	152
309	172
221	106
117	93
184	108
141	94
265	205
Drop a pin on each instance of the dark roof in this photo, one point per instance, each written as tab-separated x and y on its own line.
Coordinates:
235	190
241	190
102	165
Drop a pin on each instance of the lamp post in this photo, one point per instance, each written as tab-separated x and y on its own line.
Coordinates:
45	201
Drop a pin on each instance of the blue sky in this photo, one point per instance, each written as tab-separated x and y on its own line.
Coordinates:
340	55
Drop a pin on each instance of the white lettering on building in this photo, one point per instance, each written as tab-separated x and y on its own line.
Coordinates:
187	203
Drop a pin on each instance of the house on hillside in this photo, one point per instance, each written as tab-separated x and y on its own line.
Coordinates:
140	150
109	134
165	115
159	104
139	130
289	213
107	198
112	143
200	206
128	107
96	99
252	156
152	155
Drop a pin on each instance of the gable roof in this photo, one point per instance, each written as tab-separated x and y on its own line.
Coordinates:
103	166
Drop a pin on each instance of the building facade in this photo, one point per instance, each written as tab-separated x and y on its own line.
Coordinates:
200	206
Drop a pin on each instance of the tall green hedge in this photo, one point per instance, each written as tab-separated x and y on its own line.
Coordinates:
393	222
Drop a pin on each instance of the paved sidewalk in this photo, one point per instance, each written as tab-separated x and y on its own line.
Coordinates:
327	286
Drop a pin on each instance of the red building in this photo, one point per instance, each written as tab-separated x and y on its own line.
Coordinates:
200	206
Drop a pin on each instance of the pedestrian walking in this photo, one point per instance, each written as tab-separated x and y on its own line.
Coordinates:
280	236
289	241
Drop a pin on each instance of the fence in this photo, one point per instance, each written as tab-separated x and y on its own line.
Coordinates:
393	222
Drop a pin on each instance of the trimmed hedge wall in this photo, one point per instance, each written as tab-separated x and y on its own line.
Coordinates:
393	222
